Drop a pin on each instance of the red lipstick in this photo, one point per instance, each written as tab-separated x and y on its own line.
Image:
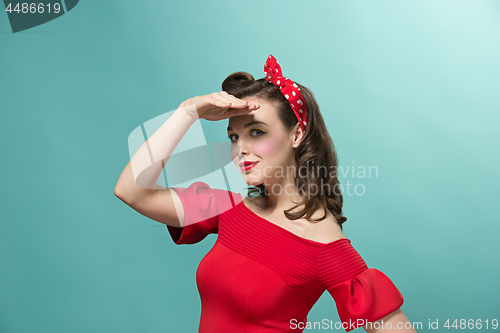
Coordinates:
247	165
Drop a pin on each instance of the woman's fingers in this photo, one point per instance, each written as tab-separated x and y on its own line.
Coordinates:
255	106
227	102
236	101
227	95
221	103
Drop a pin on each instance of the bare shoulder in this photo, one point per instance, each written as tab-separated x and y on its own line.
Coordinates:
327	230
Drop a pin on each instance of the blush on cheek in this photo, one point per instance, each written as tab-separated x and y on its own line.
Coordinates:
267	148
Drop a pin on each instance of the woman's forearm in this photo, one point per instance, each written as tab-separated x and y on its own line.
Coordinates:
142	172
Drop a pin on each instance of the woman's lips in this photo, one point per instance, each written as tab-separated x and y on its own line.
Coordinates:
248	166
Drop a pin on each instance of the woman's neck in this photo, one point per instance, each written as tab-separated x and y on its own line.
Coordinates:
280	200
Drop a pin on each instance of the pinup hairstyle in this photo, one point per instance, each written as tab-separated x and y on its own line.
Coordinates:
316	153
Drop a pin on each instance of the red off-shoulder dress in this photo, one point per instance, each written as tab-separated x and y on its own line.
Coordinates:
260	277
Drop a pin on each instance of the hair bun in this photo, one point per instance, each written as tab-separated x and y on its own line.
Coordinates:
235	79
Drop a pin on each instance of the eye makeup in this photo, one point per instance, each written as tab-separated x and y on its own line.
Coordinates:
261	132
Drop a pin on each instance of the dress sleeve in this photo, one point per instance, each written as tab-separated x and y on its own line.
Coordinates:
202	206
361	294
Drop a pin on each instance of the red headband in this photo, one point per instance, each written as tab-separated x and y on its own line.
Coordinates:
288	88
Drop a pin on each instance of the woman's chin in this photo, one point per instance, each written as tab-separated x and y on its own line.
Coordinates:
252	181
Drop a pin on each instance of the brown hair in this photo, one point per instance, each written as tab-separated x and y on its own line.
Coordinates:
316	151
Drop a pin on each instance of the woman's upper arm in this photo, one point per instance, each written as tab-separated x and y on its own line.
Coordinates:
162	205
393	322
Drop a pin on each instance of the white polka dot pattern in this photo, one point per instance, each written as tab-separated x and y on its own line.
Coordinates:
288	88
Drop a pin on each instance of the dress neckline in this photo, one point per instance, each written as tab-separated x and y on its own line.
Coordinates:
288	232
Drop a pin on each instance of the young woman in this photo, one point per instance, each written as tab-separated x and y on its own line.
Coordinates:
280	247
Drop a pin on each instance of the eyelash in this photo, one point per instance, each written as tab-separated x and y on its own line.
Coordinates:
262	132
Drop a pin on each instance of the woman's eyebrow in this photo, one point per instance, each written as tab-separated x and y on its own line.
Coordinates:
249	124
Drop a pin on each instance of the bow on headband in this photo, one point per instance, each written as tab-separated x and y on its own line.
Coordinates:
288	88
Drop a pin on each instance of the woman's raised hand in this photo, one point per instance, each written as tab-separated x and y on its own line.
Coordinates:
217	106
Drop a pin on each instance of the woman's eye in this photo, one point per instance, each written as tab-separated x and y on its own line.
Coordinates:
259	132
255	132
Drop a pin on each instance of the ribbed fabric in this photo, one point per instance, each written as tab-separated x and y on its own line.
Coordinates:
260	277
276	248
337	262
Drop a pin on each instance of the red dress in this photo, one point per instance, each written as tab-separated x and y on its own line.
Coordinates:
260	277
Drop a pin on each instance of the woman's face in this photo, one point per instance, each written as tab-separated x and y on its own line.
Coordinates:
261	138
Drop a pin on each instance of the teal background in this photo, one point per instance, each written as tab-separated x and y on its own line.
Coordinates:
408	86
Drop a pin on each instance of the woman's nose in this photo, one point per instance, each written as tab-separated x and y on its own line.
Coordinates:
242	147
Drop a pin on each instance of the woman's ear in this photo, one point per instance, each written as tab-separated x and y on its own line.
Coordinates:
297	135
